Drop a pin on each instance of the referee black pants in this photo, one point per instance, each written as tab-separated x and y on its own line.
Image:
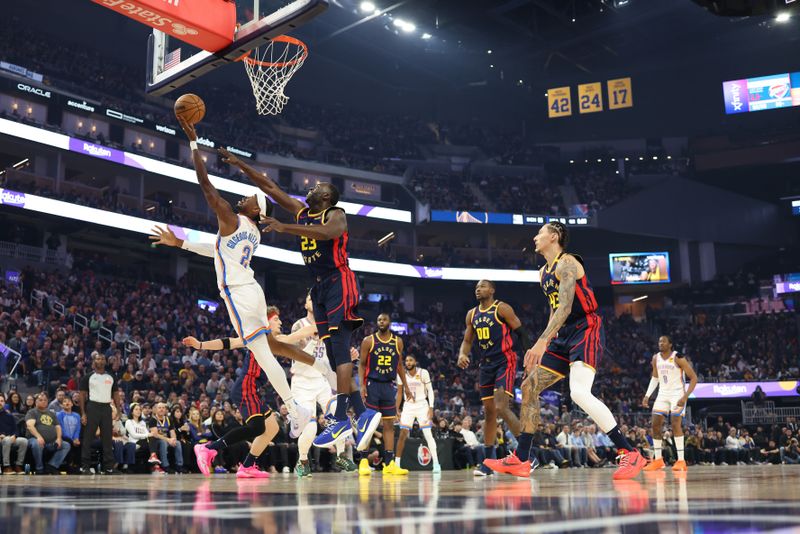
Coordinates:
98	415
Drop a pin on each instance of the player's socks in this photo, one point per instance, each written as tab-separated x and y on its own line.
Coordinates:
357	403
249	460
620	441
341	407
428	433
217	445
656	448
524	447
397	462
388	456
679	447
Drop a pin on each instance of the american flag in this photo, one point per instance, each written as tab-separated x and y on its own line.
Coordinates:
172	59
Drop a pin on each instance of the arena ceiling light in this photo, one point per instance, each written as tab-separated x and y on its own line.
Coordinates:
404	25
367	7
783	17
426	36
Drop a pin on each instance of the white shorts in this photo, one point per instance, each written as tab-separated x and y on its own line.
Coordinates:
310	394
667	405
247	309
418	411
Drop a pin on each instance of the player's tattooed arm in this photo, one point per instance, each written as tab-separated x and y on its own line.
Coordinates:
567	273
292	205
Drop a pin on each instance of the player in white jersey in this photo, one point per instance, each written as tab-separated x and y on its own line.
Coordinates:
670	370
312	387
236	243
418	407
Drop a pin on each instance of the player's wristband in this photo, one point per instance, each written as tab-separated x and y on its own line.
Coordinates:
651	387
226	343
193	145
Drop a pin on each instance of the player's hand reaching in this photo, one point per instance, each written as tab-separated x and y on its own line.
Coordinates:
463	361
534	357
682	401
364	392
272	225
228	158
409	393
646	402
164	236
353	354
188	129
191	341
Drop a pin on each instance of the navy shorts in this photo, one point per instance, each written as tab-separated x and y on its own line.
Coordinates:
250	404
496	374
382	397
582	341
335	299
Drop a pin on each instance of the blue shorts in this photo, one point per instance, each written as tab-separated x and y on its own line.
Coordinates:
582	341
382	397
498	374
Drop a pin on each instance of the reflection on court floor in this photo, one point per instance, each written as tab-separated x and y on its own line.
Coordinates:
707	499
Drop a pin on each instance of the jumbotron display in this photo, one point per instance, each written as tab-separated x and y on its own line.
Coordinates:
765	92
639	267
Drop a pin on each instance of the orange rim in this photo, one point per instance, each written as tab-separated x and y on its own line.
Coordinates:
279	39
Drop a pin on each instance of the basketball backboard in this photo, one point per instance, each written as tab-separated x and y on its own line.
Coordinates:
173	63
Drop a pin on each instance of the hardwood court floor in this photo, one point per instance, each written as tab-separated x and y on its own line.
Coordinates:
706	500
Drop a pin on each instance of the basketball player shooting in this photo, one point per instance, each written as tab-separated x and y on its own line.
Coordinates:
488	337
571	344
669	369
322	239
237	239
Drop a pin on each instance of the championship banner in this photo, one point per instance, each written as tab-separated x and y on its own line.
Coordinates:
590	97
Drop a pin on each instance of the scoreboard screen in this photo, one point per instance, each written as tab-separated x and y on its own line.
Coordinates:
765	92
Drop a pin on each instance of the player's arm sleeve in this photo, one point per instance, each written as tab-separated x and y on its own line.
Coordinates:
428	388
524	337
203	249
651	387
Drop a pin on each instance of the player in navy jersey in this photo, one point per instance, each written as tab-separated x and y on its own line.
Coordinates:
322	240
378	370
571	344
488	337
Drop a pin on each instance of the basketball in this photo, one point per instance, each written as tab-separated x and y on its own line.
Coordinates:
190	108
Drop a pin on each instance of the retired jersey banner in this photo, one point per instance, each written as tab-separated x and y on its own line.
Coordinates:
559	102
590	97
619	93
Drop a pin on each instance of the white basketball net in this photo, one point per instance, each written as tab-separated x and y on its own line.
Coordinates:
270	67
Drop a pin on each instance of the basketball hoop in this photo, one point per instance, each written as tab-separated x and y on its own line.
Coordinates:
270	68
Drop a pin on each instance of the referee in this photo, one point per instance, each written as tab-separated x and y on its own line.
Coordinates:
99	387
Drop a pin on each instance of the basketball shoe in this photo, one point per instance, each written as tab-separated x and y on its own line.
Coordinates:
655	465
630	464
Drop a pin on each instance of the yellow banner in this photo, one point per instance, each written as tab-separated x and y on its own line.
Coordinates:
559	102
590	97
620	94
